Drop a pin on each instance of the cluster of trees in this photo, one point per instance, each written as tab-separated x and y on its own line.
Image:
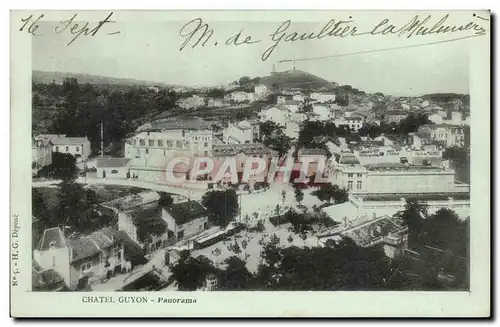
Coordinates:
442	241
63	167
274	138
329	192
222	206
314	129
341	265
82	108
75	209
410	124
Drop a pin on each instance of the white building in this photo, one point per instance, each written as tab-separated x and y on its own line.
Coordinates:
277	114
185	219
155	144
79	147
192	102
451	135
322	112
113	168
323	96
393	178
261	91
353	122
238	133
436	119
298	97
240	96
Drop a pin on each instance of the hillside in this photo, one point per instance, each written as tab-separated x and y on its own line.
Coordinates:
58	77
296	79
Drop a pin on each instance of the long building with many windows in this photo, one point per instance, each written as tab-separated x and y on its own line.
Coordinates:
156	144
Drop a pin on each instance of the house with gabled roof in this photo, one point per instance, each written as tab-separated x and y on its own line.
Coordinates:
185	219
81	260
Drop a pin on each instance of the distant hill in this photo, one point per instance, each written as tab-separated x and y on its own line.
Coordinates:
58	78
296	79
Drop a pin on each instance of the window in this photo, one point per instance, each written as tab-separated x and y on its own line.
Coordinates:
151	142
349	175
160	143
349	185
170	144
360	175
57	149
85	268
205	153
178	144
359	184
114	171
142	142
135	142
180	234
77	149
147	151
163	152
242	164
53	261
206	144
67	148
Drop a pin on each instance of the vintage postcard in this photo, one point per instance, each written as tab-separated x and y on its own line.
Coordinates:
250	164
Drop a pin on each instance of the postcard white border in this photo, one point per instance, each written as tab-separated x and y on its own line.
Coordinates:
263	304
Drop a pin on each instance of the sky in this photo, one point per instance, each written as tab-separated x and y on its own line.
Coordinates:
150	50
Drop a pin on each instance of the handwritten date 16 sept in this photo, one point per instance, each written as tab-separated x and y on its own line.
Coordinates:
198	33
70	26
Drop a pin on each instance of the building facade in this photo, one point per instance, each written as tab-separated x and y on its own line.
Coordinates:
81	260
155	145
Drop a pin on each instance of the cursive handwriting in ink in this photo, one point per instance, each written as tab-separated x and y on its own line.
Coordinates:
332	28
419	27
33	27
235	40
79	29
191	29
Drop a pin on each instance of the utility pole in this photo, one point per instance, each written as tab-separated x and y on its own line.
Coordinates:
102	141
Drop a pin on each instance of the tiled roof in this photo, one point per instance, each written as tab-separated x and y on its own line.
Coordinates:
312	151
233	149
132	201
52	237
92	244
186	211
70	140
188	124
112	162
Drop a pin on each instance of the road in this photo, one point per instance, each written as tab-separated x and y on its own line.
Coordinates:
193	193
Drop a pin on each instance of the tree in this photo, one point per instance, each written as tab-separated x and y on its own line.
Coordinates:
166	199
222	206
412	216
268	128
279	142
77	209
236	274
63	167
445	230
244	80
190	273
300	224
341	265
299	195
329	192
